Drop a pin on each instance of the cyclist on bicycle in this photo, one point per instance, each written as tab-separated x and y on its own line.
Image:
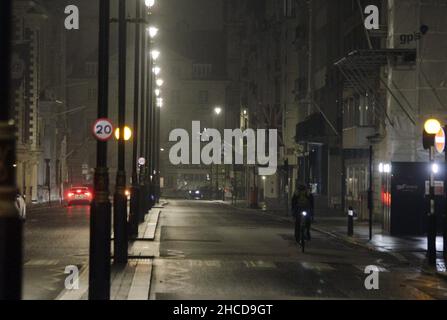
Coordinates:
301	201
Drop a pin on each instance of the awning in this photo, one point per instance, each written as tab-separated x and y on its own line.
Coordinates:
362	71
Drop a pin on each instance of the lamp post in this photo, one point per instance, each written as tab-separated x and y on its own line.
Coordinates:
159	105
10	223
431	128
100	210
217	112
135	194
120	200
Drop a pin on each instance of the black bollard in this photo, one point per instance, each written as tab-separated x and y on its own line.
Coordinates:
350	222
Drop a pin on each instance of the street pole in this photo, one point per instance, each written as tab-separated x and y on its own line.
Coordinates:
157	150
120	199
431	235
149	135
370	192
100	209
10	223
152	136
143	123
135	194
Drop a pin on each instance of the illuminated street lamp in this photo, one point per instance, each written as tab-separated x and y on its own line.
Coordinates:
160	102
153	31
157	92
127	133
149	3
155	54
156	70
160	82
218	110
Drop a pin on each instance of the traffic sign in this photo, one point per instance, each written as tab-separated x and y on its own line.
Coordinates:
103	129
440	141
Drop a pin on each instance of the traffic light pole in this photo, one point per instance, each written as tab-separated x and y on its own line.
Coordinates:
431	232
135	194
120	200
10	223
100	210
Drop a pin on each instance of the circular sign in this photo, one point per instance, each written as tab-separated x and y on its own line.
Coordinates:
440	141
103	129
142	161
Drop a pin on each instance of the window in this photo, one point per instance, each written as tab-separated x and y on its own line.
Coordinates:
91	69
200	70
92	94
289	9
203	97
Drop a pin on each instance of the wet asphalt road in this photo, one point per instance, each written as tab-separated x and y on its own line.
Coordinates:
212	251
53	239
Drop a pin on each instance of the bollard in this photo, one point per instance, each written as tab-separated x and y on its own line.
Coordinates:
350	222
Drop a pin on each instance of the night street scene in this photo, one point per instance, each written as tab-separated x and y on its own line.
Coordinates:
252	151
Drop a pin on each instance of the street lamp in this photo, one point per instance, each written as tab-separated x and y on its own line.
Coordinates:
155	54
153	31
159	102
149	3
156	70
157	92
160	82
218	110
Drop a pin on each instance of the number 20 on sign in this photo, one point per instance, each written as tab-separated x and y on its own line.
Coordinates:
103	129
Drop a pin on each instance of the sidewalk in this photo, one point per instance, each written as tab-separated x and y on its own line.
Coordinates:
410	250
407	250
132	281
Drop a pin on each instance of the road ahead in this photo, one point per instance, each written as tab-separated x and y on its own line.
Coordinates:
54	238
211	251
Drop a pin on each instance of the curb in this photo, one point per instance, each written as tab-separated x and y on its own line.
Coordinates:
352	241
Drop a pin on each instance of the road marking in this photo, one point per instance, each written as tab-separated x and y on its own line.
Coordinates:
317	266
42	262
362	268
259	264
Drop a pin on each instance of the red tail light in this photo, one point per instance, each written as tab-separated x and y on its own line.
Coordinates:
88	194
70	194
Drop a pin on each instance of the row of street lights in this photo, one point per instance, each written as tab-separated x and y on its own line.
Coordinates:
145	168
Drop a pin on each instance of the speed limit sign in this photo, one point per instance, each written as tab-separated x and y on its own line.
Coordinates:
103	129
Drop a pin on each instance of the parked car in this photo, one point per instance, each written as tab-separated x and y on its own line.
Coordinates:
20	204
79	195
